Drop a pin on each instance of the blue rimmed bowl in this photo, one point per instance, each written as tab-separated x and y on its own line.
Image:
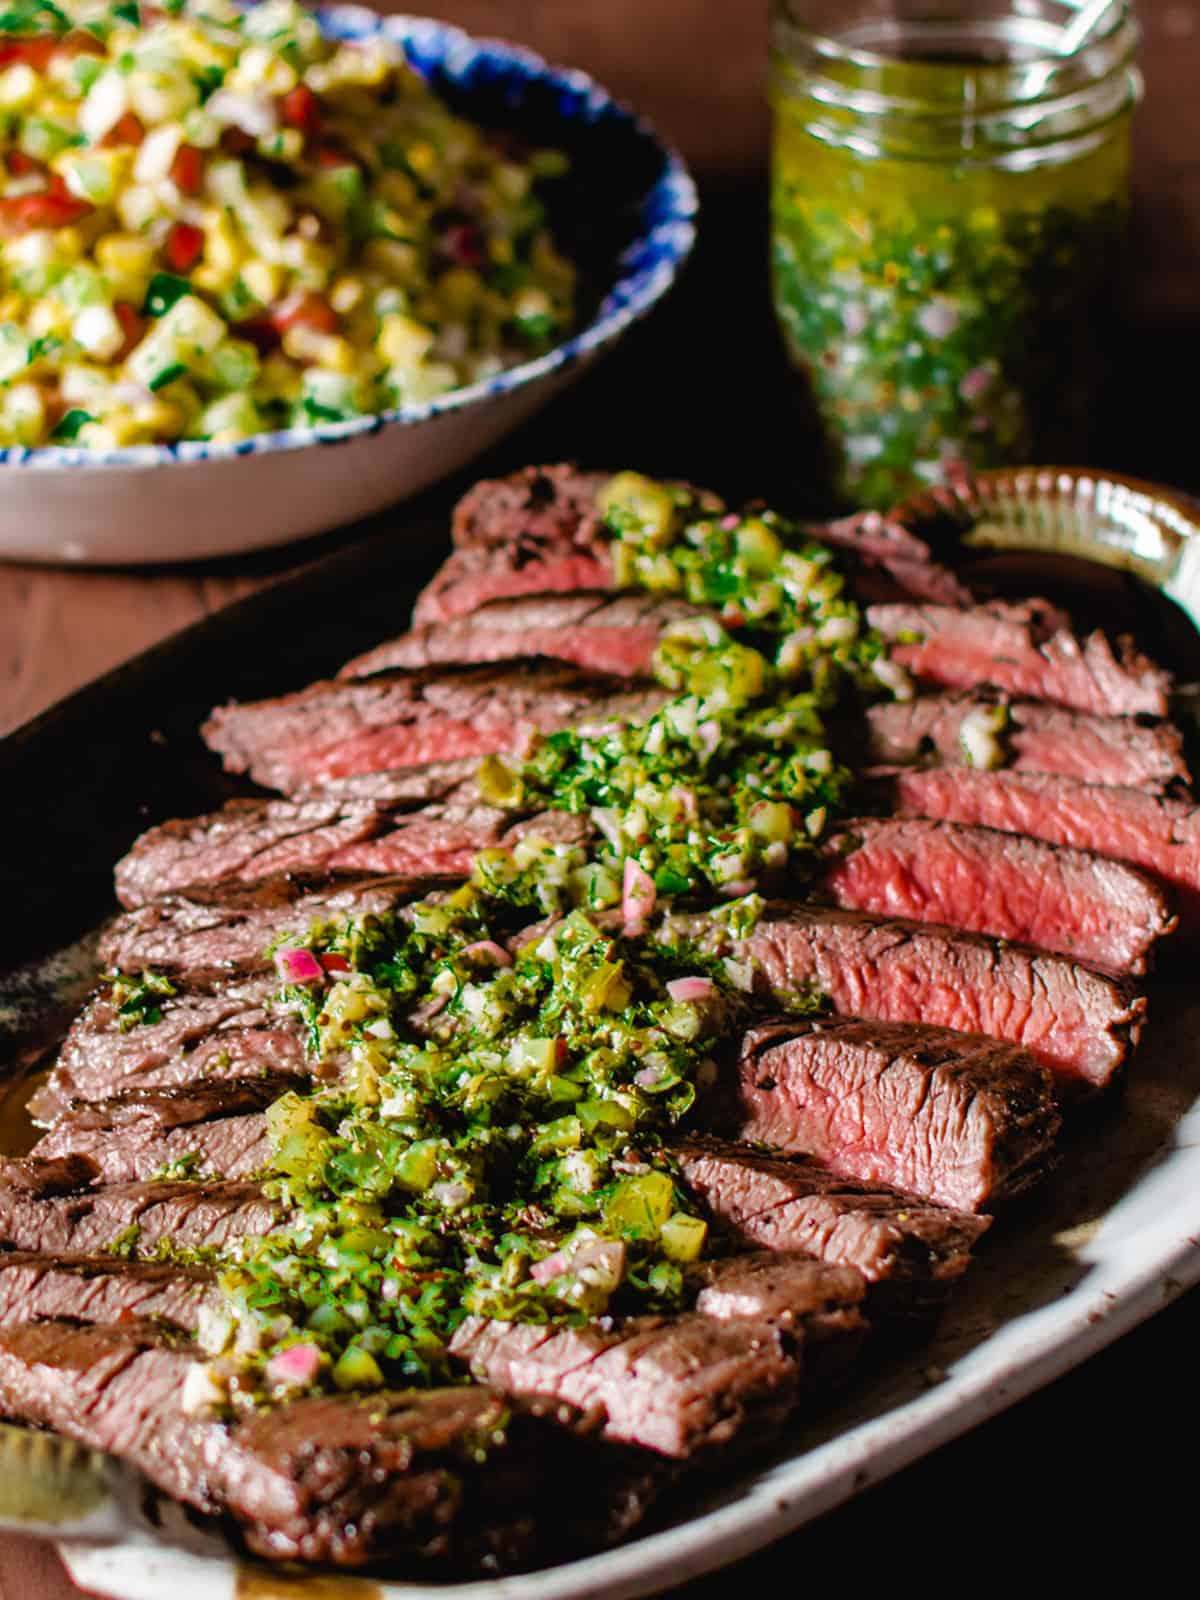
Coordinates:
626	217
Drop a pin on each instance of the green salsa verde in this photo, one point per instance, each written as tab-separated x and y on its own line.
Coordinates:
496	1069
944	262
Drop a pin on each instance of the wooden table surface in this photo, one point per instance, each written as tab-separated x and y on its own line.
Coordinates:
697	393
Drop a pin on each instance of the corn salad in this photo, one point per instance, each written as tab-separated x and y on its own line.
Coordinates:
217	222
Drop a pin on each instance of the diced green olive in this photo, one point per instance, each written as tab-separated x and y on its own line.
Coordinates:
640	510
640	1205
356	1368
682	1237
498	783
758	547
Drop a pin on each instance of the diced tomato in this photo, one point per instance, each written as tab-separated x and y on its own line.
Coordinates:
26	212
184	247
132	325
128	130
187	170
304	311
301	109
36	52
335	963
22	166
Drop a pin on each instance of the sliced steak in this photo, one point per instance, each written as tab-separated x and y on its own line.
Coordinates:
1078	1022
247	839
909	1252
549	505
397	787
680	1388
986	881
1022	649
228	1033
444	1476
791	1291
437	842
1161	836
978	879
314	743
474	576
208	1130
102	1289
140	1216
953	1118
598	632
398	719
1140	753
207	935
541	532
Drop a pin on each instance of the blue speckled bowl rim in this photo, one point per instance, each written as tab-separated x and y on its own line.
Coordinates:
648	266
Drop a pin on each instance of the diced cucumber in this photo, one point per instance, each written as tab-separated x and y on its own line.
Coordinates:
231	414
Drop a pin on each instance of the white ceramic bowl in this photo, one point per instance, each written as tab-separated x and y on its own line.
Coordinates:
634	226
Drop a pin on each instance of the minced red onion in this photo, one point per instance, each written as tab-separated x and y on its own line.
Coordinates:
299	966
638	895
550	1267
691	988
298	1364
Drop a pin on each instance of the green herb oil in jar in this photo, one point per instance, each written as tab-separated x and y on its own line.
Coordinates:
948	206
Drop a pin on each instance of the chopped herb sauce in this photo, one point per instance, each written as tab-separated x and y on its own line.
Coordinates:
495	1070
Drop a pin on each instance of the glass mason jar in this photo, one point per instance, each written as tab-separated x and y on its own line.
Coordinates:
949	197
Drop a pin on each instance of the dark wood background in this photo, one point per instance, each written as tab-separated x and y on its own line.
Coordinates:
1096	1469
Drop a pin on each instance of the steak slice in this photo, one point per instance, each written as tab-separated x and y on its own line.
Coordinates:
979	879
956	1119
984	881
437	842
399	719
207	1130
1022	649
100	1289
322	736
228	1033
1160	836
246	839
185	1216
909	1252
448	1477
679	1388
537	506
598	632
788	1291
1078	1022
474	576
1140	753
540	532
204	936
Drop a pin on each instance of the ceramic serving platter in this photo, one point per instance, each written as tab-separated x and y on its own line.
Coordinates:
1112	1237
